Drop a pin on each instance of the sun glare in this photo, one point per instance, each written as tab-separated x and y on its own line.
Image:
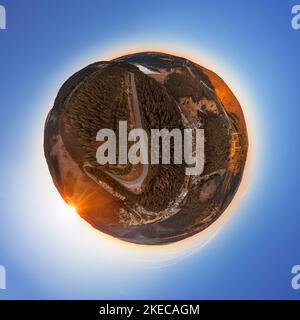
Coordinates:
71	209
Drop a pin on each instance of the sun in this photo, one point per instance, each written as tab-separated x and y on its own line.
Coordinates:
71	209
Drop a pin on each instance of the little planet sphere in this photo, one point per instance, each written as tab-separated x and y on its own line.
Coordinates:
150	204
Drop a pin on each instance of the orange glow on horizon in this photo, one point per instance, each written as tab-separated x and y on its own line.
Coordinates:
205	62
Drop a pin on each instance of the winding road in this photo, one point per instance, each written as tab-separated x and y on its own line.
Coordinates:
134	185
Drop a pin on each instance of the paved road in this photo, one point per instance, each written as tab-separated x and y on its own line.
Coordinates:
136	184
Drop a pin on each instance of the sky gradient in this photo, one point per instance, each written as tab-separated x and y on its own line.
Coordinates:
49	252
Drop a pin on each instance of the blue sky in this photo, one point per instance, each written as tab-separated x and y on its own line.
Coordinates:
40	247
